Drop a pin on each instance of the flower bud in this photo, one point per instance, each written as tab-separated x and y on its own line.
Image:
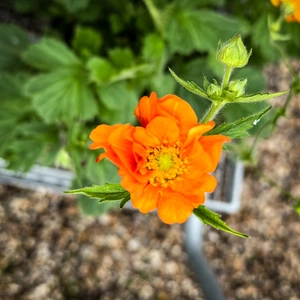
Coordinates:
238	87
213	90
233	53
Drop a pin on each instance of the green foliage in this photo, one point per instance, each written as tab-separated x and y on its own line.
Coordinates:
86	41
190	86
213	219
88	62
239	128
72	6
50	54
108	192
62	95
187	30
13	41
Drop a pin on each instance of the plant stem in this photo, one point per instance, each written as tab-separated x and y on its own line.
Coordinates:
155	15
212	111
226	78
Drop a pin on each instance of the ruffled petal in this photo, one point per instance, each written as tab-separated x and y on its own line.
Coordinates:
206	183
100	135
147	200
212	145
173	107
160	131
146	110
174	208
196	132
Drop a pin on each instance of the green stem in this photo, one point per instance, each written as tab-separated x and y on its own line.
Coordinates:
155	15
213	111
226	78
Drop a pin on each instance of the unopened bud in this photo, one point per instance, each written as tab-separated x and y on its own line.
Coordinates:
238	87
233	53
213	90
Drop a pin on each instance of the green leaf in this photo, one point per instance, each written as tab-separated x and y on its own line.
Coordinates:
154	51
258	97
49	55
121	57
13	41
100	70
12	98
86	41
162	84
213	219
72	6
119	102
114	96
189	85
62	95
240	127
189	30
108	192
33	142
261	38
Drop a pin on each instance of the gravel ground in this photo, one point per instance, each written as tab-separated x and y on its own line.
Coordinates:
49	251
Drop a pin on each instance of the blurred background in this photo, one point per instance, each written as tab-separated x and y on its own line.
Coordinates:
68	66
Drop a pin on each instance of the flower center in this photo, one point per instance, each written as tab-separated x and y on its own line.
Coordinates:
166	164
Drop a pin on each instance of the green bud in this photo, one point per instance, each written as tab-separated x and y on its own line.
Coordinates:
213	90
237	86
233	53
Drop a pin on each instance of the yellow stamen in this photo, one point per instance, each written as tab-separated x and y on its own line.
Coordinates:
166	164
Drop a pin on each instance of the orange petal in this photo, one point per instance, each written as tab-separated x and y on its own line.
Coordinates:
212	145
206	183
164	129
177	108
159	131
197	131
146	110
148	199
174	208
100	135
199	161
275	2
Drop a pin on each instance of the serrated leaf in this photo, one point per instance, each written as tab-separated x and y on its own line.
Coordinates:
50	54
33	142
86	41
62	95
213	219
154	50
100	70
258	97
11	99
240	127
13	41
108	192
123	102
186	29
114	96
189	85
121	57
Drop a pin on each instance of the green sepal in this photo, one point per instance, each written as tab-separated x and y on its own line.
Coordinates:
107	192
239	128
258	97
190	86
213	219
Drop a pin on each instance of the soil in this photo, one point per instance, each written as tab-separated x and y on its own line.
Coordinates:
48	250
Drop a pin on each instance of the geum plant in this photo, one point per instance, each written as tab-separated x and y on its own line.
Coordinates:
165	163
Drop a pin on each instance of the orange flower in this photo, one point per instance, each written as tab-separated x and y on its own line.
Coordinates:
165	163
291	9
